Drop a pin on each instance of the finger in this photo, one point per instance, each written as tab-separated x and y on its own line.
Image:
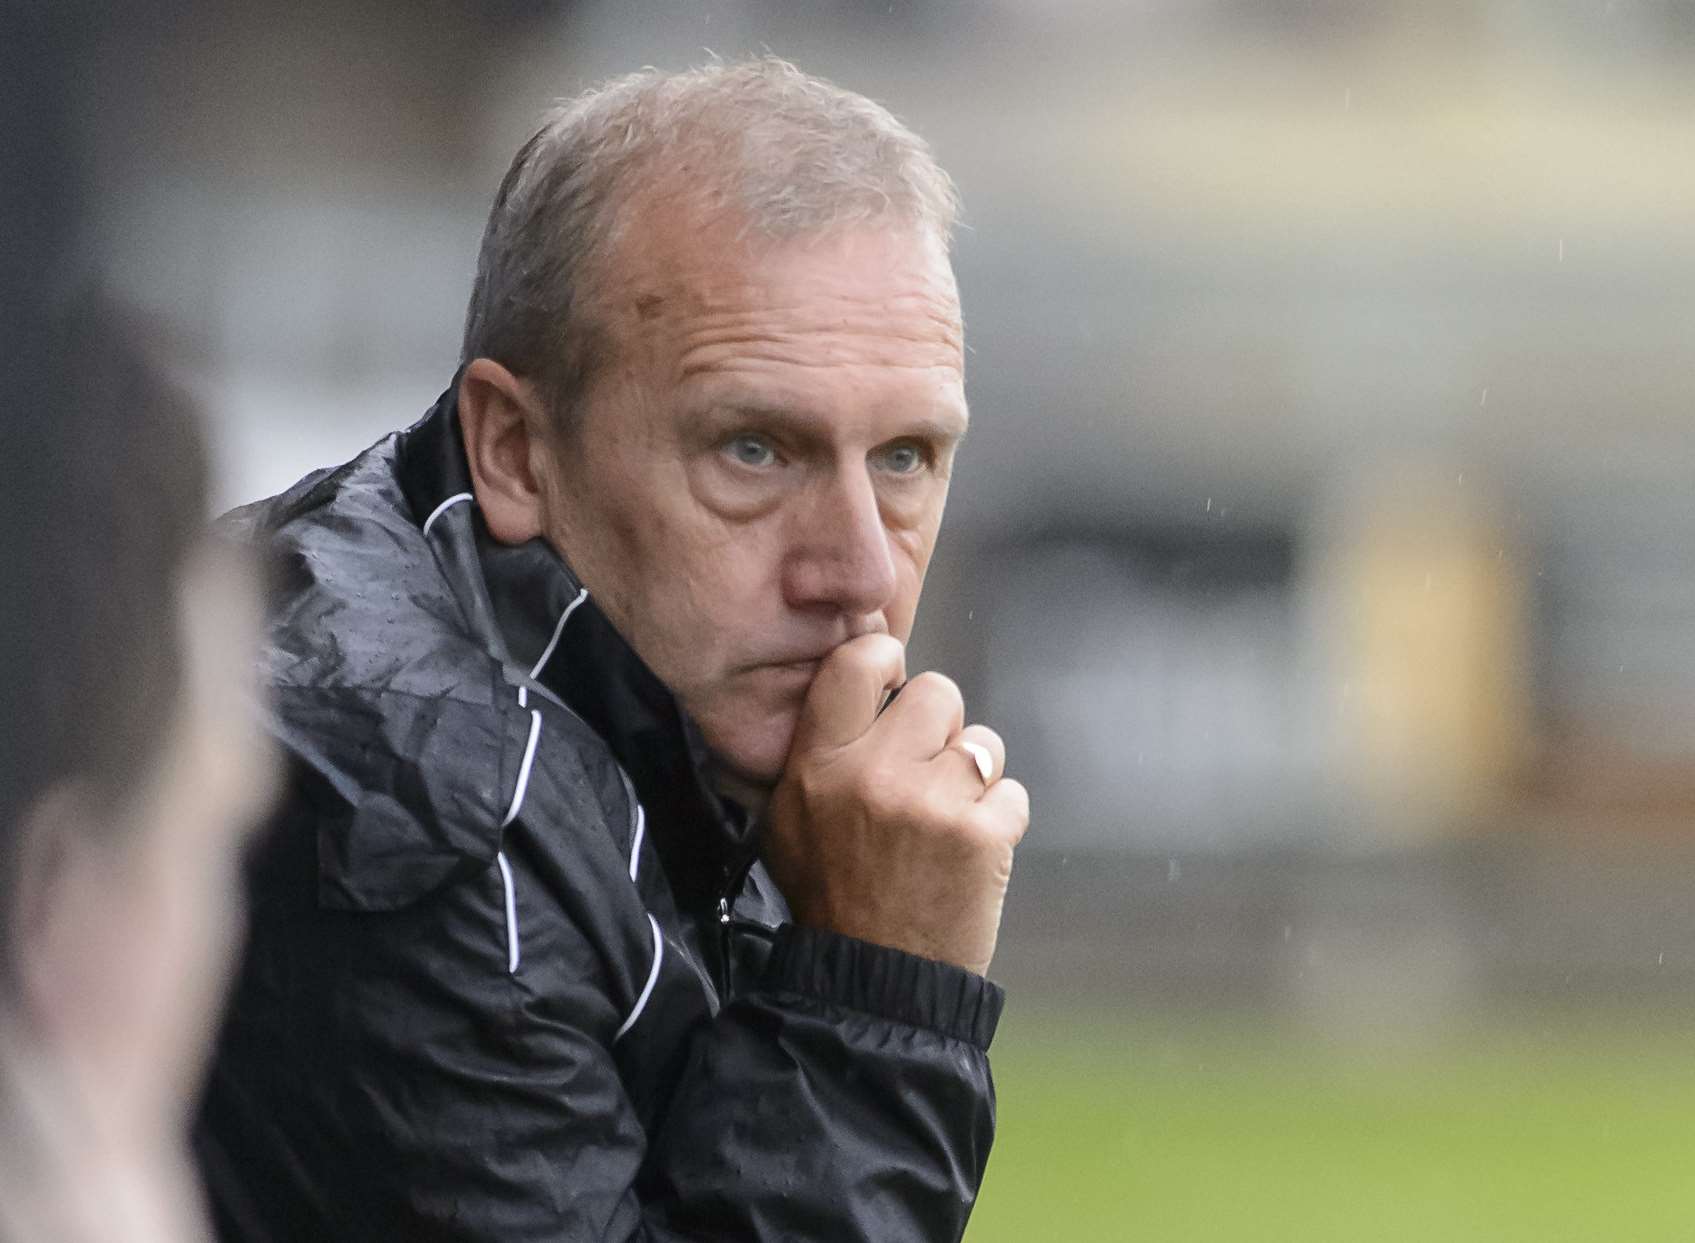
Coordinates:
989	743
1009	803
848	689
928	713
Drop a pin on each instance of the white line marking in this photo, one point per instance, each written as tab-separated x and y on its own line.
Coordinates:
636	845
446	505
511	913
558	629
652	979
524	769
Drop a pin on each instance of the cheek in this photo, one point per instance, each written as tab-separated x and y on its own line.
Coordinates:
729	586
911	551
685	588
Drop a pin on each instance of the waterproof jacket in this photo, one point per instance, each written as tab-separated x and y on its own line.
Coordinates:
514	972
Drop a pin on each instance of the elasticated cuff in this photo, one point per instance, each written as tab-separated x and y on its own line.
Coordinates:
885	982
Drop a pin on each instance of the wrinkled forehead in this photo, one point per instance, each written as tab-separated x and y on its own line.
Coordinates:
880	292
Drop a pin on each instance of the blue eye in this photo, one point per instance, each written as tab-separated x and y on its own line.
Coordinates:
903	459
752	451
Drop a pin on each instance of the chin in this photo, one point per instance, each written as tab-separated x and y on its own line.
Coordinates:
755	753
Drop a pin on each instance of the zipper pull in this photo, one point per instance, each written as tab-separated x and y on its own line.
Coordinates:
724	912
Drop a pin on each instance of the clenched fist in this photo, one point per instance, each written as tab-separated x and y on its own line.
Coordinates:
884	827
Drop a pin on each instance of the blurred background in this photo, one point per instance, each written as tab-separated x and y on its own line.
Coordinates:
1324	547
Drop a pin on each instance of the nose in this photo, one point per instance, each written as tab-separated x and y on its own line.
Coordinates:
840	558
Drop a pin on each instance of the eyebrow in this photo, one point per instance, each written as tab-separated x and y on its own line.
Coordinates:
938	428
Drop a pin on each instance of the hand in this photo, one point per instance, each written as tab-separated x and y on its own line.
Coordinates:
882	827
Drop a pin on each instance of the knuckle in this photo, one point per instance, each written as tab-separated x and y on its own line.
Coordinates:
937	683
979	826
1009	808
1018	811
938	689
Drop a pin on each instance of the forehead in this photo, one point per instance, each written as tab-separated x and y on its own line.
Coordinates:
706	303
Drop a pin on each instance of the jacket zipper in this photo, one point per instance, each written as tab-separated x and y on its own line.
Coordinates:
728	925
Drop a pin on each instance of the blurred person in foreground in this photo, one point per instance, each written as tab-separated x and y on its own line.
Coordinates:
131	765
608	902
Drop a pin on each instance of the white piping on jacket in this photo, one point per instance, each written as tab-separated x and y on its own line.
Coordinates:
652	979
511	913
636	845
529	759
558	629
446	505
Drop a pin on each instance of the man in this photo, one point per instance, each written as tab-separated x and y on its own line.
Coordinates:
611	900
130	772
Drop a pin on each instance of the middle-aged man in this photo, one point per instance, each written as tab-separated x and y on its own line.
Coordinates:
614	897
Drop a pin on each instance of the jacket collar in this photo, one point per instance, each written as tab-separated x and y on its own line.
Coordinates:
529	609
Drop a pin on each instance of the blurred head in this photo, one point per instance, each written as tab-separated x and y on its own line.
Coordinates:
129	764
714	356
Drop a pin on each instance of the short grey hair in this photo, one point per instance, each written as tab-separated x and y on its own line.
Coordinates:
791	154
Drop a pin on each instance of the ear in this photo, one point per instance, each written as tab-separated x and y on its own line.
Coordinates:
503	419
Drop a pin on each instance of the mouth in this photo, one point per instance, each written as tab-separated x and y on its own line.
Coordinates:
794	670
806	658
789	679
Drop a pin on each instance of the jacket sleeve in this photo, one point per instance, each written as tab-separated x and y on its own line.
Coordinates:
397	1075
846	1096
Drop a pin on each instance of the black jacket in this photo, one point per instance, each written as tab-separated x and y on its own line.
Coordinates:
514	973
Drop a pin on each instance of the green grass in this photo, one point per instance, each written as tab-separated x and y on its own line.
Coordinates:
1541	1130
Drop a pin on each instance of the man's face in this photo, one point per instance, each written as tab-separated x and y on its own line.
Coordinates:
759	472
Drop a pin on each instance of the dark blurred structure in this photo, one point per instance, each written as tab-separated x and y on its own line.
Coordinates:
41	182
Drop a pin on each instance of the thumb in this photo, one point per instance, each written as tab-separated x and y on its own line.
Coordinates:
847	691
